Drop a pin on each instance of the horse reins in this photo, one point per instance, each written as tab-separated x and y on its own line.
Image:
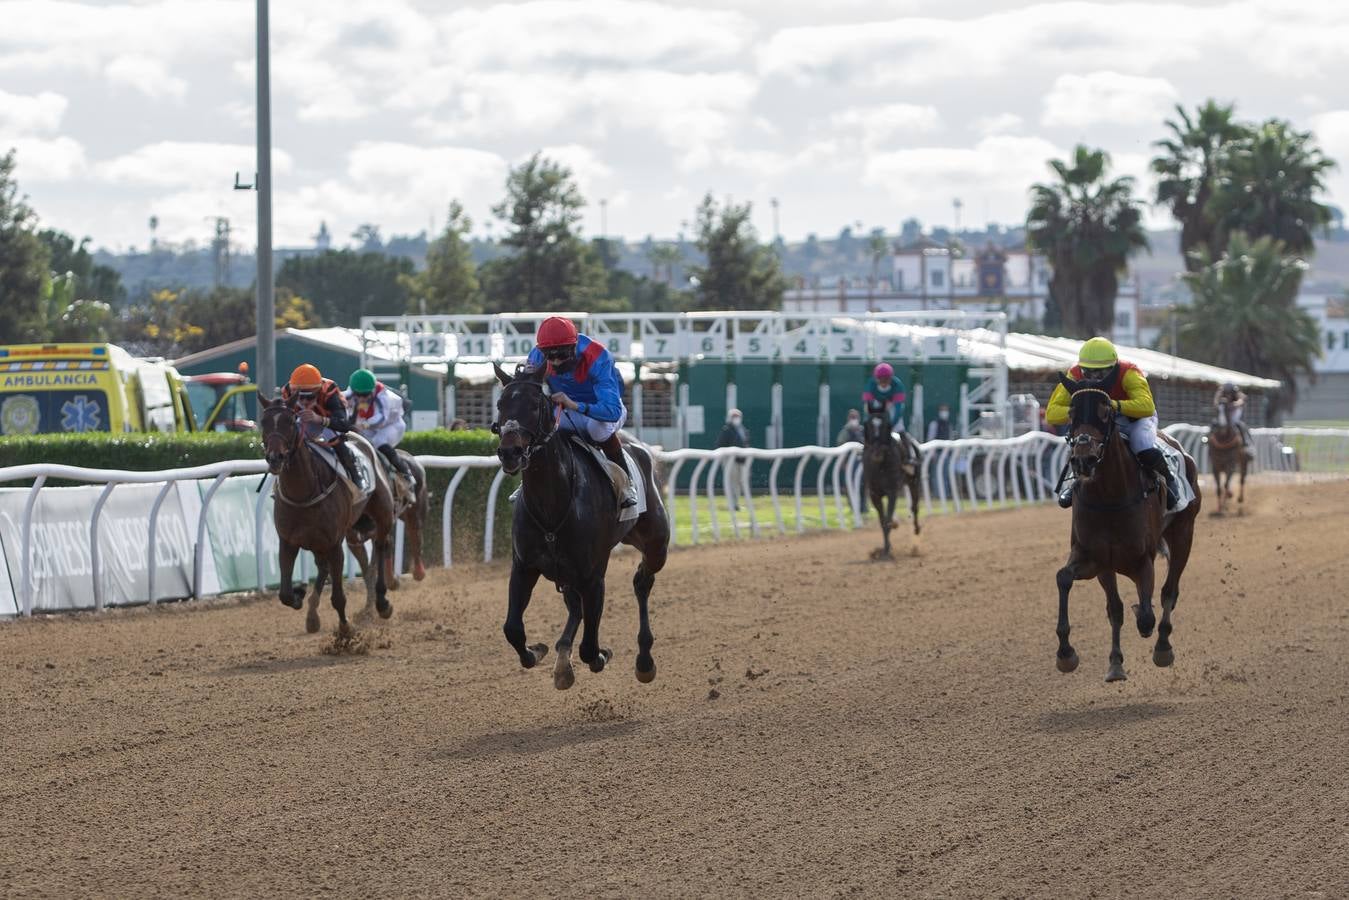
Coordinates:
538	440
1082	439
287	455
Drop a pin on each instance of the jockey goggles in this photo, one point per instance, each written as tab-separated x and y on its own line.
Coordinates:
559	354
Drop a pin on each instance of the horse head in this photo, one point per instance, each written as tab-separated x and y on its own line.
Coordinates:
1092	425
876	430
526	416
281	433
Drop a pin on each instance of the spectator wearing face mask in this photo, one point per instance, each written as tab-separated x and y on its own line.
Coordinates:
733	434
939	429
852	431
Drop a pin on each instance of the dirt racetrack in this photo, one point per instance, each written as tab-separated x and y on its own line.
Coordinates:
820	725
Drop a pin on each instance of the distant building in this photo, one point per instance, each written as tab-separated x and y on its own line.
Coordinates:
926	276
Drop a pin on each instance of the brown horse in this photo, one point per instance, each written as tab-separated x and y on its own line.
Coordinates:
315	511
887	469
1227	456
1119	525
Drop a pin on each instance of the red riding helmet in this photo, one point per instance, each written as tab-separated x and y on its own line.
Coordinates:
556	331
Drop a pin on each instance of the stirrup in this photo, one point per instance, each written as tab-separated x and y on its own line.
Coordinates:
1066	498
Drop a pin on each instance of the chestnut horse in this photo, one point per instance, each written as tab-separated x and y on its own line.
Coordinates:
1119	525
1227	456
314	511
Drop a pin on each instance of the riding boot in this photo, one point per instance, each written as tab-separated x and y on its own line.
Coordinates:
395	461
1247	440
613	451
348	461
1153	459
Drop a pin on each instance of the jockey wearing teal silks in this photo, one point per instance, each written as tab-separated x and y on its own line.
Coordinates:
884	386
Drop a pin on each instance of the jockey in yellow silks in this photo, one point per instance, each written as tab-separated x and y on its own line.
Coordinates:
1099	362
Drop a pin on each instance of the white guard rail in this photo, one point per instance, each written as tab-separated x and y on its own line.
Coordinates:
956	475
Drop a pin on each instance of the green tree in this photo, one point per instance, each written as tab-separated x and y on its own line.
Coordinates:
449	283
664	258
23	259
1270	186
346	284
629	291
1241	317
549	268
878	248
174	323
1189	168
741	272
92	281
1088	225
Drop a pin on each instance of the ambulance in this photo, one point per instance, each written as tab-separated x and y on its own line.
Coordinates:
79	388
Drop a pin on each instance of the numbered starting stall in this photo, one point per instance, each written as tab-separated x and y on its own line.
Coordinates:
793	375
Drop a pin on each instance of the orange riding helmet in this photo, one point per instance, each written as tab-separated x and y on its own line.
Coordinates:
306	378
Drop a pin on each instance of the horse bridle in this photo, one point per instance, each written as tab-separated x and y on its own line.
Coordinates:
545	428
287	450
1082	440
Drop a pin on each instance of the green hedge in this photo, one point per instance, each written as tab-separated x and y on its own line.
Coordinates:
152	452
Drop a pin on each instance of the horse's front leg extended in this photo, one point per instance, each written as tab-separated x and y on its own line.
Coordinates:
1075	570
563	675
286	592
383	553
521	588
914	490
592	611
1114	611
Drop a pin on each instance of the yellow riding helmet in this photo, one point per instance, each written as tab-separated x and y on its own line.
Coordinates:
1097	353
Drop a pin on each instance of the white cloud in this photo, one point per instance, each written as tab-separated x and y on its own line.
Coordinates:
586	167
878	124
999	171
201	165
1110	97
148	75
1332	135
31	115
39	159
998	123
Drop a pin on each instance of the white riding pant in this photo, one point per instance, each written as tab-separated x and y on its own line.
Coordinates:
1140	433
386	434
597	431
1234	413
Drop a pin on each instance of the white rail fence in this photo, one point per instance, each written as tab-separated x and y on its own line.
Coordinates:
956	475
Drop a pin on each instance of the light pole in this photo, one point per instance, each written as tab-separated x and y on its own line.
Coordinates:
266	308
777	233
604	218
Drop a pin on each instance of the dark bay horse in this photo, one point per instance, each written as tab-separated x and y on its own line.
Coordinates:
887	472
1227	456
314	511
1118	528
566	525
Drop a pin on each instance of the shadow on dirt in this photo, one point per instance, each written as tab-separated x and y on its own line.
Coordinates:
289	664
544	739
1070	720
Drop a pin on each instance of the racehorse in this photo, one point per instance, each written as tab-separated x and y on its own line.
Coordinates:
566	525
1119	525
1227	456
886	472
314	511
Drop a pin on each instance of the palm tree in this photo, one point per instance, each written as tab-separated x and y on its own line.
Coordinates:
1189	168
1269	187
1088	225
877	248
1238	321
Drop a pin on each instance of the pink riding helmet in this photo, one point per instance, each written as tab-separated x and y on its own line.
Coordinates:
883	372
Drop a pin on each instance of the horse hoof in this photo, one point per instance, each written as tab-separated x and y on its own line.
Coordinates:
393	584
311	624
418	572
563	678
1067	663
539	651
880	553
345	631
293	603
384	608
648	674
1163	658
894	523
1116	673
601	660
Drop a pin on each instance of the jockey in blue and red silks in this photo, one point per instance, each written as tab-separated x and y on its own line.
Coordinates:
585	382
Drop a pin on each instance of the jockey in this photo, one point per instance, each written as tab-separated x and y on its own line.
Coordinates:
1126	384
1235	397
586	384
320	404
377	413
884	386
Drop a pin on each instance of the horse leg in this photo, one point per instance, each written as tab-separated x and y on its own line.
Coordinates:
1241	485
1180	543
1076	569
311	618
642	582
335	560
878	500
413	539
1143	580
1114	611
563	676
521	588
383	554
913	504
286	591
592	610
357	548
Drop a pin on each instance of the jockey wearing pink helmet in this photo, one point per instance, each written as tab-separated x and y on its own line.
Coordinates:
885	388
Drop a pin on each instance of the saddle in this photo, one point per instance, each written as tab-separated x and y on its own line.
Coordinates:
404	488
620	479
330	457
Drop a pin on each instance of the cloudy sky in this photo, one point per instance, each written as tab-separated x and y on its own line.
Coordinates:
846	111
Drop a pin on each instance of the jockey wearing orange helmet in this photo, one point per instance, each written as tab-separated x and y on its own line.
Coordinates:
1099	363
321	406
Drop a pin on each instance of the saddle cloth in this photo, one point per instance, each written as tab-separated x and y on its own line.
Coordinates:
404	489
328	455
1175	461
619	478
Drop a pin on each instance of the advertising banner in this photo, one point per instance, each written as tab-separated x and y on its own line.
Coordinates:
62	567
230	529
